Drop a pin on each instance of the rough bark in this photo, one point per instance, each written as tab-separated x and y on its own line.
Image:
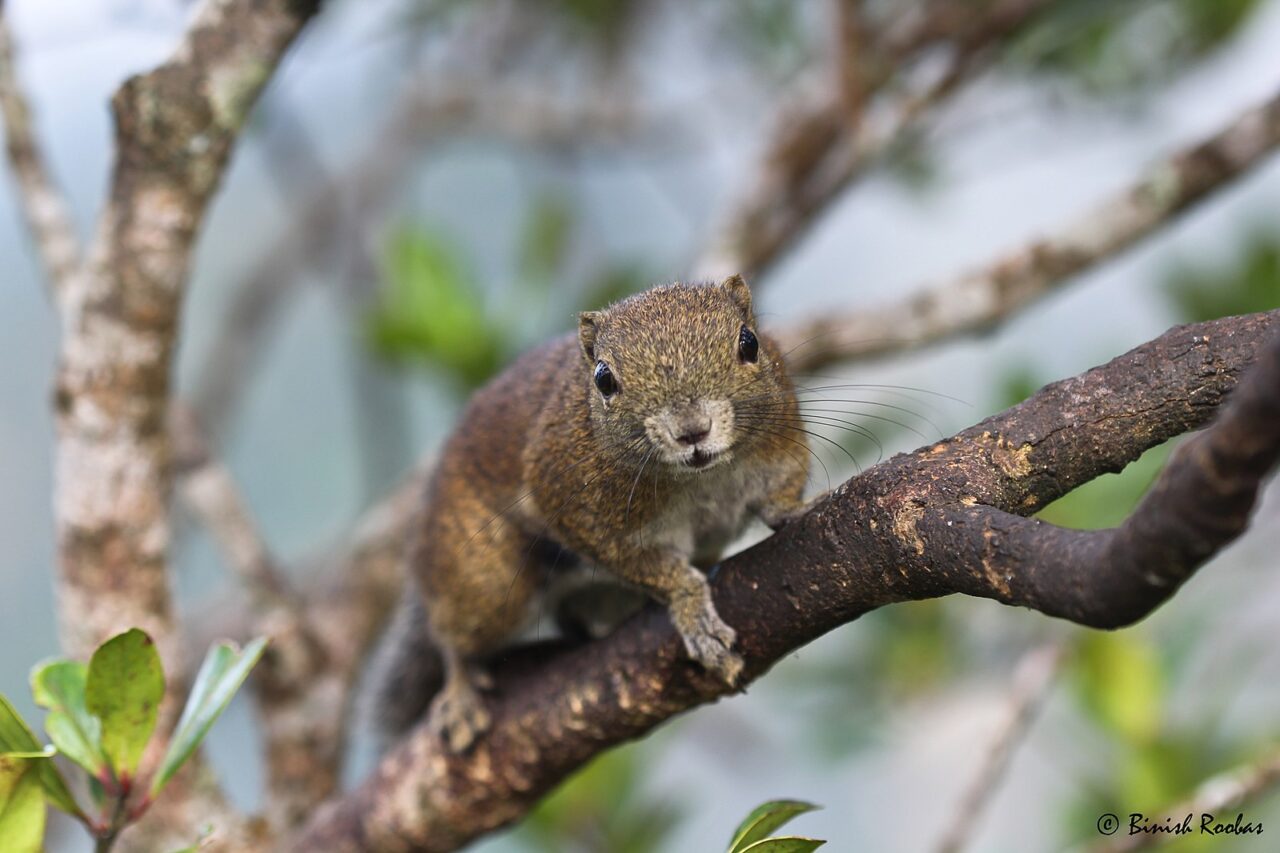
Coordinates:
946	518
175	127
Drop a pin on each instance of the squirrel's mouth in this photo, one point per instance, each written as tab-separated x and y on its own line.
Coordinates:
701	458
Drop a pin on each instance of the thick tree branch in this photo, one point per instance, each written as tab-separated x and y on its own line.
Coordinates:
999	289
993	294
881	537
175	129
48	216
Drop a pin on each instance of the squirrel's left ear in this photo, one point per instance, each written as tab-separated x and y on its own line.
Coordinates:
739	293
588	326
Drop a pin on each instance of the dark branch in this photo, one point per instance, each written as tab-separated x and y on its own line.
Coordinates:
882	537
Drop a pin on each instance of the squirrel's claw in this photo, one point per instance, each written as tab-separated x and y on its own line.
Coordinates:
711	644
458	716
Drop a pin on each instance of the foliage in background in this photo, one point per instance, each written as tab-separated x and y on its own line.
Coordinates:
603	809
1247	282
432	311
101	717
429	307
1122	682
1109	47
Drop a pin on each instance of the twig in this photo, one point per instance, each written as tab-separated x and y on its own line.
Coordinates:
48	216
1228	790
1032	680
996	291
814	154
208	489
424	109
852	63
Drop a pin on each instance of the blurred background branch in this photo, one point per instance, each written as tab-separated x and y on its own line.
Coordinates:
464	177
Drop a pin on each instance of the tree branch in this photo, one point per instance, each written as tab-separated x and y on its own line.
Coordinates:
819	148
882	537
425	108
1034	676
175	129
994	292
48	216
1224	791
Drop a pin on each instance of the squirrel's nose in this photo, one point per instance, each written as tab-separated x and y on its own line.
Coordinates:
694	434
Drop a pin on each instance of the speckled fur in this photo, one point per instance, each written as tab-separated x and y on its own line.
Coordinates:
542	457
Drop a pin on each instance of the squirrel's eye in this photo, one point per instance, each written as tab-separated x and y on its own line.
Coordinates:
748	346
604	379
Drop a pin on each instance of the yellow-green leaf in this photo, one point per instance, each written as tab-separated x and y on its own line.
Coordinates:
123	690
1121	683
16	737
59	687
22	809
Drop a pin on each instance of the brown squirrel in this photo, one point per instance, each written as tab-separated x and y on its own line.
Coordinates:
642	446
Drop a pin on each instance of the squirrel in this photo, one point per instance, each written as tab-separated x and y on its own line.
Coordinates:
642	445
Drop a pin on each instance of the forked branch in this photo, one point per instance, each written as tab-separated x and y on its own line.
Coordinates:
941	520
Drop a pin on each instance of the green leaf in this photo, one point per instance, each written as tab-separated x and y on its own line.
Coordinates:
22	810
1119	679
430	308
223	671
785	844
124	688
764	820
59	687
16	737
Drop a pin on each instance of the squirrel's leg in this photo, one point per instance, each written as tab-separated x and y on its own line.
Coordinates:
458	714
669	577
784	501
478	587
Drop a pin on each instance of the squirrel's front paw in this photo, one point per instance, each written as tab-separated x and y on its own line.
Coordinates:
458	716
710	643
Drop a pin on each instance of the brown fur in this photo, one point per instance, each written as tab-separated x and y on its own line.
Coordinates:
541	458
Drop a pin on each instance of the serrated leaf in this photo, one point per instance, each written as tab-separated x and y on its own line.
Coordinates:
123	690
223	671
764	820
785	844
59	687
22	809
16	737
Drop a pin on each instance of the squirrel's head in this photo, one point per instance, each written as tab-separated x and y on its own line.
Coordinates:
677	373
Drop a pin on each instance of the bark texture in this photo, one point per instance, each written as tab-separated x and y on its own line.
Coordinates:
946	518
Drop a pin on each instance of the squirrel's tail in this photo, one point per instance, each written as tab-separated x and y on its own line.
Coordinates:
407	670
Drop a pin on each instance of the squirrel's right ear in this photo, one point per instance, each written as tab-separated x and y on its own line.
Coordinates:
588	326
739	293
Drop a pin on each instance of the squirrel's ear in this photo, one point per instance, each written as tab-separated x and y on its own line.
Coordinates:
588	325
739	293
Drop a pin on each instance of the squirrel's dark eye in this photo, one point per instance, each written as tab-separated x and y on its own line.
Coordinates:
748	346
604	379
